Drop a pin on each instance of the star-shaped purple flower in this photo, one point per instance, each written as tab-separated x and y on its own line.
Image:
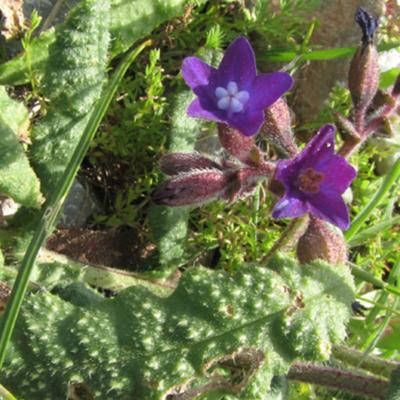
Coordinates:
315	180
234	93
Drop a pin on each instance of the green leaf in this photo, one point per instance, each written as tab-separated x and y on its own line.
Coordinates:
215	330
130	20
75	74
17	179
371	232
15	71
315	55
169	224
388	78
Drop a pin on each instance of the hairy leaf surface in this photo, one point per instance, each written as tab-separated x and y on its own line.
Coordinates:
169	224
129	21
17	179
214	331
74	79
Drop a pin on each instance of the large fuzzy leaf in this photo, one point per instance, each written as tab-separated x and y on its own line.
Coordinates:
17	179
74	79
214	332
169	224
130	20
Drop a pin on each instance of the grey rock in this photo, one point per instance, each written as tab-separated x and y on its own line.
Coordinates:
337	29
78	207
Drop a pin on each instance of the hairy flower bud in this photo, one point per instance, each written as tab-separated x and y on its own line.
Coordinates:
191	188
322	241
176	163
346	128
240	146
277	128
364	68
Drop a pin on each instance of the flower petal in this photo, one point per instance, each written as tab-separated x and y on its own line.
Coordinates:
289	206
330	206
196	72
238	64
221	92
338	174
243	96
248	123
198	111
319	147
267	88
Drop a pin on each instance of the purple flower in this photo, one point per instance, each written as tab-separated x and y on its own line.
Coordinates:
234	93
314	181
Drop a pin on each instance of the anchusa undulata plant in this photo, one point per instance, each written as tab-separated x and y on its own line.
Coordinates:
310	181
198	332
307	183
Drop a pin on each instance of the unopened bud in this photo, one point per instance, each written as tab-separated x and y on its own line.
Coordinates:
364	68
196	187
322	241
346	128
176	163
245	180
277	128
240	146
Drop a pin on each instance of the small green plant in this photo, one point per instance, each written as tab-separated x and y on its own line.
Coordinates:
27	45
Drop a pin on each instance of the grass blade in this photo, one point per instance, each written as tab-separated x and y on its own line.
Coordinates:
386	185
317	55
50	212
372	231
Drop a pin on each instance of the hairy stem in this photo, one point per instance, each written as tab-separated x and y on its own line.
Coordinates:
289	237
358	359
338	379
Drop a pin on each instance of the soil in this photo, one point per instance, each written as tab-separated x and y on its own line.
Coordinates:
112	248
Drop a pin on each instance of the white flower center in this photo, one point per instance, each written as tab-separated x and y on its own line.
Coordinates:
230	99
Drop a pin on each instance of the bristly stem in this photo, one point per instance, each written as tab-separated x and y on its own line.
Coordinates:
289	237
51	209
386	185
339	379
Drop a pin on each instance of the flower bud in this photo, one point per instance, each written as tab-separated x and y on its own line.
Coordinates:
322	241
364	68
277	128
193	188
240	146
346	128
176	163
